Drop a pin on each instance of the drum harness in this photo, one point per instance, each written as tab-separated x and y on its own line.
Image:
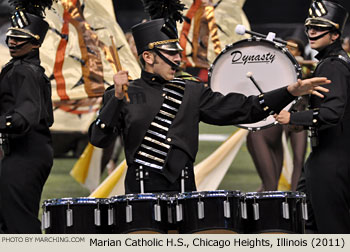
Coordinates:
155	147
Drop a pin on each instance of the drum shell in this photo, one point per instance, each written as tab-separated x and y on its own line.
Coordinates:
83	211
143	214
271	218
214	220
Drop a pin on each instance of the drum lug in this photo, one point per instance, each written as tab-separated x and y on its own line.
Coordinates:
285	210
69	213
256	211
200	207
97	215
179	212
45	220
128	213
227	208
170	214
304	211
110	217
157	213
48	219
244	210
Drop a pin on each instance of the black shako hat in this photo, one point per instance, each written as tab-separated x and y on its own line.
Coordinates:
160	32
327	14
155	33
28	19
26	25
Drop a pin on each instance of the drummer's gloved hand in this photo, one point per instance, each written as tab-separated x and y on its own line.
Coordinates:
309	86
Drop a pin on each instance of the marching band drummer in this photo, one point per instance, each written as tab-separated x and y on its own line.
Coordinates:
160	123
327	169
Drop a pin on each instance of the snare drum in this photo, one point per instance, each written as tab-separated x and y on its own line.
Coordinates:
274	212
76	216
208	212
271	65
140	213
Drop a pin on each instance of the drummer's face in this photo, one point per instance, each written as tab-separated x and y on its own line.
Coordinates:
320	43
162	68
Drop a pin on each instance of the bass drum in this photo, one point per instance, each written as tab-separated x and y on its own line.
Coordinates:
271	65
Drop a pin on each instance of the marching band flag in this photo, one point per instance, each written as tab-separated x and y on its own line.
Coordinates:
76	53
87	170
210	172
113	184
5	54
284	183
208	26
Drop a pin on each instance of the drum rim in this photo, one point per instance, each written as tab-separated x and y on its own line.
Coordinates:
275	194
209	194
297	68
75	201
137	197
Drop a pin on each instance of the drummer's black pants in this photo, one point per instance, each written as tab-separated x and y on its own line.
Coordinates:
329	190
21	185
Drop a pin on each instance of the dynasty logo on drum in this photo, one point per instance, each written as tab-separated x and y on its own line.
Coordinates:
239	58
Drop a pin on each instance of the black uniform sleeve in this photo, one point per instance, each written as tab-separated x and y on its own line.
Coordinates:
235	108
332	106
104	129
27	108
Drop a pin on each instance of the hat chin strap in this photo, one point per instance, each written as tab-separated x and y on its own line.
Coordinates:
166	60
319	36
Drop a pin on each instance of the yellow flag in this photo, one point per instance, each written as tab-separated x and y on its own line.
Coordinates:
113	184
87	170
81	167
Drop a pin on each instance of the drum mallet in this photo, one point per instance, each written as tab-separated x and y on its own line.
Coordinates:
241	30
250	76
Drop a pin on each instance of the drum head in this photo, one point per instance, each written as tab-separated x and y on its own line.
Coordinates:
271	65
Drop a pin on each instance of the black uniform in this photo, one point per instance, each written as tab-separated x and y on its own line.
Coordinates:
25	117
199	103
328	166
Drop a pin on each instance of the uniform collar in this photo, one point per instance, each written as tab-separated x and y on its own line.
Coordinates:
332	49
152	79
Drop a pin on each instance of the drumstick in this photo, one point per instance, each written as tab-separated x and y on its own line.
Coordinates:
117	66
250	76
240	30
